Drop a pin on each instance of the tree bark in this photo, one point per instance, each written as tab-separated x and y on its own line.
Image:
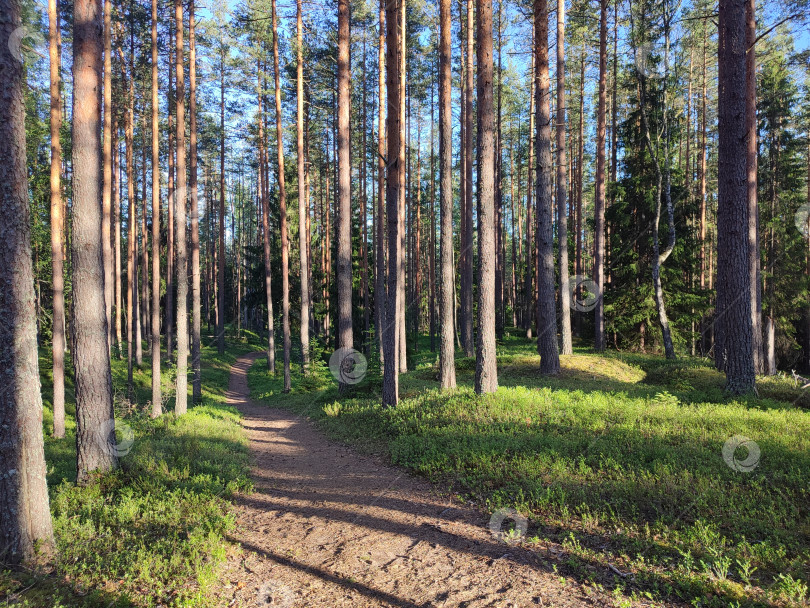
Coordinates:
303	200
25	516
170	105
486	370
181	394
106	195
221	232
733	278
282	203
390	333
344	234
599	203
467	339
562	188
196	307
95	421
58	224
546	314
379	258
271	341
157	400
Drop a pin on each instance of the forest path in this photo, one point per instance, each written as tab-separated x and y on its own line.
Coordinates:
327	527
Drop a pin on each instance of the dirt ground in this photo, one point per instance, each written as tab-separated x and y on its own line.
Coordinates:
327	527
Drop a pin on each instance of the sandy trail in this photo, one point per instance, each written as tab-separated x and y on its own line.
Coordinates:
327	527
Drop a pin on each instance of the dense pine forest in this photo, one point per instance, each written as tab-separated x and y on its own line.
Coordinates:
418	303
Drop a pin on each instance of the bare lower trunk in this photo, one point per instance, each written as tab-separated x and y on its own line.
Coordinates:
486	371
303	202
562	188
194	212
546	314
467	338
157	399
447	368
599	204
25	517
379	258
181	393
95	423
58	227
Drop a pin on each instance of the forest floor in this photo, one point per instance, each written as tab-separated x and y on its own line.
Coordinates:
328	527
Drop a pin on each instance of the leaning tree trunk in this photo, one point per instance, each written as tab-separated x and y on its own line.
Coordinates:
447	367
95	422
25	516
733	278
181	394
546	314
58	226
486	370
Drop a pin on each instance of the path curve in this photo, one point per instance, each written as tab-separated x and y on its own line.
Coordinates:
326	527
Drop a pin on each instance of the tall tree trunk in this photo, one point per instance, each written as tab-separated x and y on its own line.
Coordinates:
95	421
282	203
132	227
271	339
702	193
754	266
196	307
432	243
486	370
157	401
599	204
578	182
562	188
733	278
364	208
181	395
116	205
170	106
463	249
379	257
221	234
344	234
402	344
58	224
106	194
529	277
546	314
25	516
303	200
499	252
467	338
390	333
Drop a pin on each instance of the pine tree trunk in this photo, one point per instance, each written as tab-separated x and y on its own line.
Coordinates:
95	422
271	342
467	338
106	194
196	307
221	233
303	200
116	205
25	517
58	226
402	344
170	107
546	313
562	188
181	393
733	278
379	258
390	333
599	204
157	400
486	371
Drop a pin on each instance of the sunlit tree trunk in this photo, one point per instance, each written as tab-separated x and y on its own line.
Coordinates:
467	339
282	203
181	395
546	313
271	344
106	194
194	211
303	200
157	405
379	258
58	225
486	371
599	203
221	232
25	517
95	423
447	367
170	107
562	188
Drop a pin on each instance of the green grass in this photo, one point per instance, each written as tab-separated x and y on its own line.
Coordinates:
153	532
617	461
